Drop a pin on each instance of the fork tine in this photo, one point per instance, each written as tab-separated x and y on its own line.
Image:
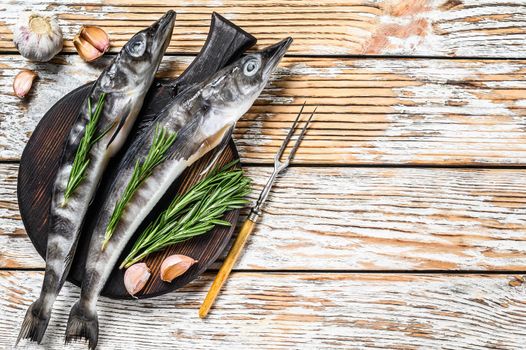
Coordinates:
289	135
301	135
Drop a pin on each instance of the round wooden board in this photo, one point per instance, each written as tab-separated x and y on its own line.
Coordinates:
38	167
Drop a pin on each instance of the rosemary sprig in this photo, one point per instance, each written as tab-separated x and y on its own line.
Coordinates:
81	160
193	213
162	141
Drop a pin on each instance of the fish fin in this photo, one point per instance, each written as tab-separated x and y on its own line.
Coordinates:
82	324
218	151
146	122
184	148
117	129
224	44
34	324
68	260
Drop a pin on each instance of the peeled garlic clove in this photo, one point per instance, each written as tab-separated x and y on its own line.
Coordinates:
91	43
23	82
174	266
96	37
37	37
135	278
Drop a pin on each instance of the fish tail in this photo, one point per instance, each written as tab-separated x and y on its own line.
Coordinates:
35	322
82	323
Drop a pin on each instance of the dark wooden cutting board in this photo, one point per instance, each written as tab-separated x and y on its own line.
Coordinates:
41	158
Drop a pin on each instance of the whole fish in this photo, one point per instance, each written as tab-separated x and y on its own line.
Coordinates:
204	115
120	91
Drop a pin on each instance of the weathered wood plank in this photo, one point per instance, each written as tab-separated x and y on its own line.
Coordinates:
307	311
360	219
372	111
409	27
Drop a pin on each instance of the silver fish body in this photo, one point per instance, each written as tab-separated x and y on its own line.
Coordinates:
203	116
124	82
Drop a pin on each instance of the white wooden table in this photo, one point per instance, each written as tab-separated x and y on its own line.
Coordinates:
402	223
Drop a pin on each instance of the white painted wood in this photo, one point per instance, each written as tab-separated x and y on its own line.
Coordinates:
295	311
387	27
330	218
372	111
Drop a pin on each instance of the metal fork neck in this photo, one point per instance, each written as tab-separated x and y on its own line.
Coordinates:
256	211
280	165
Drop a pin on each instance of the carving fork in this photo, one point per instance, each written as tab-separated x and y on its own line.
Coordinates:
255	212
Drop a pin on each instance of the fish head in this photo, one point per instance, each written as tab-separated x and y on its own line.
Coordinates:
252	72
239	84
135	65
230	93
145	50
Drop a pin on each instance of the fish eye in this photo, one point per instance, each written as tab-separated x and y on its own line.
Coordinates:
137	46
251	67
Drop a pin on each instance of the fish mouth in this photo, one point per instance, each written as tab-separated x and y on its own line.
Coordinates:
161	31
167	20
272	55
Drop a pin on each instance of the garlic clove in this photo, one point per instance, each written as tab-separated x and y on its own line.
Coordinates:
86	51
135	278
37	37
91	43
96	37
23	82
174	266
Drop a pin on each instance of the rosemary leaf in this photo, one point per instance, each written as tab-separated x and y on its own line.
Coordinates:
194	213
81	160
162	141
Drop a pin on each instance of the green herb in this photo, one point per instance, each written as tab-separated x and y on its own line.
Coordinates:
193	213
81	160
162	141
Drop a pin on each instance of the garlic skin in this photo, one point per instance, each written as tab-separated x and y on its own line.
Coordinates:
96	37
135	278
174	266
86	51
36	37
91	43
23	82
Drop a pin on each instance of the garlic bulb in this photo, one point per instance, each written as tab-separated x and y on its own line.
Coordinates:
23	82
135	278
37	37
174	266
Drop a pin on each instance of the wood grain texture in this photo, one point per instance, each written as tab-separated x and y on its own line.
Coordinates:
372	111
381	27
332	218
297	311
226	267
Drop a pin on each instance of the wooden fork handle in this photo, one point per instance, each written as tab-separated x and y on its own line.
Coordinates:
224	271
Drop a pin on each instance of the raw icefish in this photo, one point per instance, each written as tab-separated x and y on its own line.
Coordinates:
204	116
103	124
